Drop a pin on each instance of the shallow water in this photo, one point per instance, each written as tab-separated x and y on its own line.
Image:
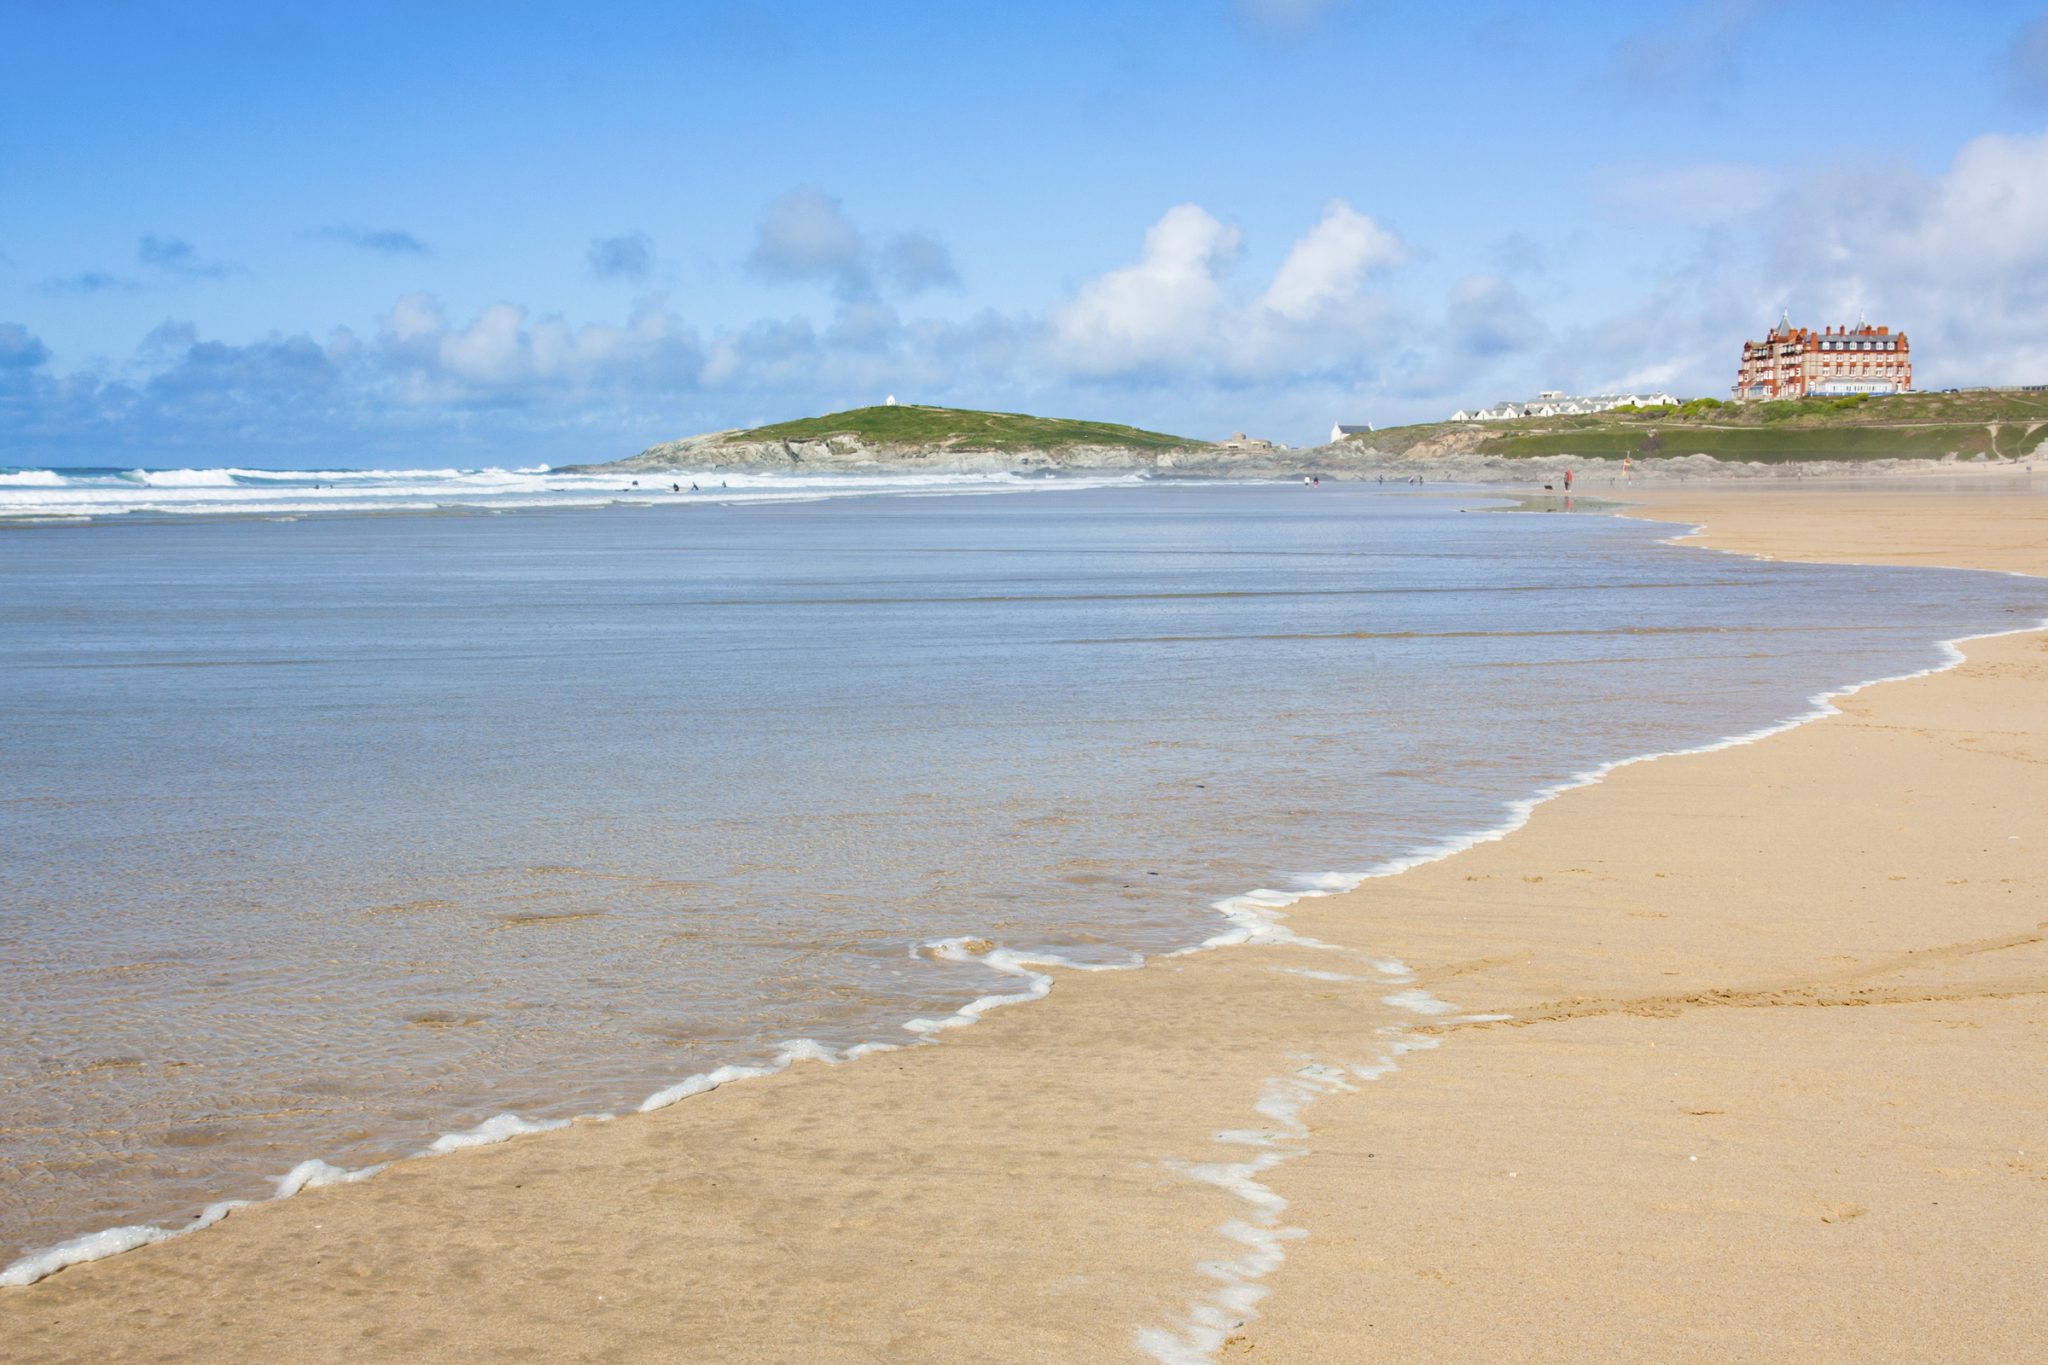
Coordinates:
327	836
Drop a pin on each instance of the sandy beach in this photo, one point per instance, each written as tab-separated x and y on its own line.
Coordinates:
1734	1055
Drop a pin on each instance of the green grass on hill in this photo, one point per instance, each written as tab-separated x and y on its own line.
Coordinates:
1998	422
1769	445
963	428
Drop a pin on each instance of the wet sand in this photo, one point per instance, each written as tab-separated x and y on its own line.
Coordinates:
1775	1085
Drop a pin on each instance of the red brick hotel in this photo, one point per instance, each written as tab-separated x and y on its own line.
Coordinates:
1793	362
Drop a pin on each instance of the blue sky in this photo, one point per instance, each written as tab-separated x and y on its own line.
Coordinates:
378	235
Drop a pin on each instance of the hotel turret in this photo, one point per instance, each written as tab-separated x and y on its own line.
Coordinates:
1794	362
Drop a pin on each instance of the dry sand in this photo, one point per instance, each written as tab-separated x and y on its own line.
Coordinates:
1775	1086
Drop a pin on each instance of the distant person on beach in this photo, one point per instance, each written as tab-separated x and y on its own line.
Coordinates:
1567	481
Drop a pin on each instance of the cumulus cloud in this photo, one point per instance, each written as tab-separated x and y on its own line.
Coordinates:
1173	312
1321	276
501	380
1959	258
506	356
176	256
628	256
768	353
20	349
806	235
1682	333
865	325
1160	310
184	391
384	241
914	262
220	374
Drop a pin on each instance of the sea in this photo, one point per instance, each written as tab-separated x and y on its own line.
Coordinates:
346	816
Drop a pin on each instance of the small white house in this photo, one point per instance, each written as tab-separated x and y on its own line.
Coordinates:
1551	403
1343	429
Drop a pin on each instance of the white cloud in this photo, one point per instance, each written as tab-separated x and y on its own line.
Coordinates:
503	355
1322	274
1158	311
915	261
1957	259
807	235
1960	259
1173	312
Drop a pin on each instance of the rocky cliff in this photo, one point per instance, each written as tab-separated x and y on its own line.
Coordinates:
854	454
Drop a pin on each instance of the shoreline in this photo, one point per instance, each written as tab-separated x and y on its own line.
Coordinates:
1147	998
1253	917
1493	475
1680	1124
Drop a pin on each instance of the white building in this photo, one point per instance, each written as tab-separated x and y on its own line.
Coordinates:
1341	430
1553	404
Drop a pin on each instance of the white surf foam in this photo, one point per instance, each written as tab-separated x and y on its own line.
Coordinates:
43	493
94	1246
183	478
1258	1239
1026	967
497	1128
312	1175
795	1050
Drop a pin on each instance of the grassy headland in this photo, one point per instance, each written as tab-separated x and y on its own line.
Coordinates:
913	425
1993	422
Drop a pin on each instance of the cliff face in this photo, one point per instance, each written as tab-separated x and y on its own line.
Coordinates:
852	454
1452	456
